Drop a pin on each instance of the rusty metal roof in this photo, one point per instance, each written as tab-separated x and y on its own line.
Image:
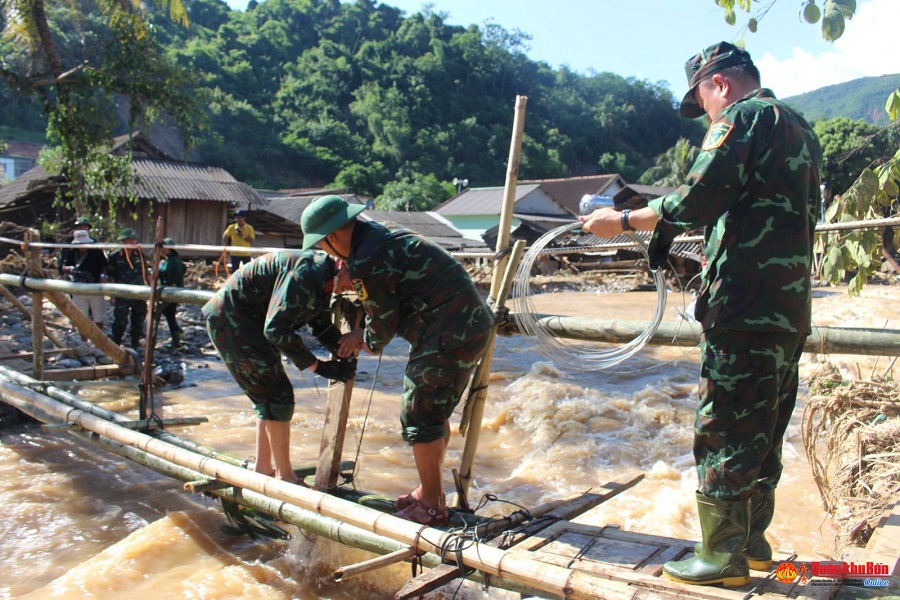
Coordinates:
158	180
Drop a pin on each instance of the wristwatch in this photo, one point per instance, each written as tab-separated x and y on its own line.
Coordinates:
625	225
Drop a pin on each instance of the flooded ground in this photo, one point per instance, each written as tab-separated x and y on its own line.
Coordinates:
79	523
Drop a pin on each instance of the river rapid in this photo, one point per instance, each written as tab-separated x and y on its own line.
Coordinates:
80	523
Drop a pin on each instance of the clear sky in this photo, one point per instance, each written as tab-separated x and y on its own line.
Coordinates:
651	39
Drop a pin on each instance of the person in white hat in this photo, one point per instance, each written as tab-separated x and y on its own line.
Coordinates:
86	265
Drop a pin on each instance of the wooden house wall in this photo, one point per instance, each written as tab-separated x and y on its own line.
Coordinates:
188	222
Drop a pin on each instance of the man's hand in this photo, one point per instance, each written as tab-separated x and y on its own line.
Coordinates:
351	343
604	222
342	370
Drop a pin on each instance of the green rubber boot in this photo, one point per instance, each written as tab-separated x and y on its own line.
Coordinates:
175	343
758	551
725	525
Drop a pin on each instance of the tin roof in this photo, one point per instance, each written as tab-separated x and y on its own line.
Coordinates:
567	192
481	201
158	180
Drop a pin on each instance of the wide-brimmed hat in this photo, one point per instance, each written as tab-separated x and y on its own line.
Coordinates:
128	234
324	216
81	237
707	62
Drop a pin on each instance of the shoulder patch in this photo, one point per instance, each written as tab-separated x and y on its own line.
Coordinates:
360	289
716	136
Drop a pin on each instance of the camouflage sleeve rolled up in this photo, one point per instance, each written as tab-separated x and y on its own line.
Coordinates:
755	187
277	293
413	288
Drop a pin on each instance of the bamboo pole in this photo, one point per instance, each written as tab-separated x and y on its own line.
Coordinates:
473	414
32	260
474	409
523	568
823	340
75	402
119	290
25	311
145	404
350	571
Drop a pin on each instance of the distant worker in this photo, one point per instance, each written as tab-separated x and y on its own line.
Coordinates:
171	272
755	187
127	266
254	318
86	265
239	234
411	287
81	224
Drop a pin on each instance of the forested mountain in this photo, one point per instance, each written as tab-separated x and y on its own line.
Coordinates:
858	99
310	92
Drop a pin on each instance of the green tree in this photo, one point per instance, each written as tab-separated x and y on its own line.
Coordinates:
849	147
673	166
875	191
415	194
79	96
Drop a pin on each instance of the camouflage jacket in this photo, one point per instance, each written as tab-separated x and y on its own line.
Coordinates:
171	270
413	288
755	187
127	266
278	294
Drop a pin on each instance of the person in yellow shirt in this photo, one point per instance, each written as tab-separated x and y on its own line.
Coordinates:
239	234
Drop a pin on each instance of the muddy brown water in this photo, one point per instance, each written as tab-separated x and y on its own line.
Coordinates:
79	523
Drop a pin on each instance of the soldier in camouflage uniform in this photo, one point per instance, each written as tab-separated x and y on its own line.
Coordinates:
410	287
253	319
171	272
755	188
127	266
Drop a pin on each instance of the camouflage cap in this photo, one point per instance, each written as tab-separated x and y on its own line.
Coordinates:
709	61
127	234
323	216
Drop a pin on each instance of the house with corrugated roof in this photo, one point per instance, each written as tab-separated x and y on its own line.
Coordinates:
567	192
193	199
475	210
541	202
17	158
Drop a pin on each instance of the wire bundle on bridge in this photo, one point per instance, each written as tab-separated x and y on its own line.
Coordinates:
568	353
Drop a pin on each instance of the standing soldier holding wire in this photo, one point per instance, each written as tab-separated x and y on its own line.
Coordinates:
755	187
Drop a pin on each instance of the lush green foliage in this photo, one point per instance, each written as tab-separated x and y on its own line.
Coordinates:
850	147
318	92
78	61
857	99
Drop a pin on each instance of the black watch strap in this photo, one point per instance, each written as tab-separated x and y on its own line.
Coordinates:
625	225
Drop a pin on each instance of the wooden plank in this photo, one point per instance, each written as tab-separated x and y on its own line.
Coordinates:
428	581
654	563
95	372
336	412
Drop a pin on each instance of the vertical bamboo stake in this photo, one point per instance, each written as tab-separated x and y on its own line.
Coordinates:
24	310
33	258
145	408
475	408
336	412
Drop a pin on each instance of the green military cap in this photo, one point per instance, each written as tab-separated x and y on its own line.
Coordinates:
169	242
82	221
323	216
128	234
709	61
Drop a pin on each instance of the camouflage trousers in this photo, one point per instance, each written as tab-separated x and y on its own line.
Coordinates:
138	311
255	365
433	386
748	390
